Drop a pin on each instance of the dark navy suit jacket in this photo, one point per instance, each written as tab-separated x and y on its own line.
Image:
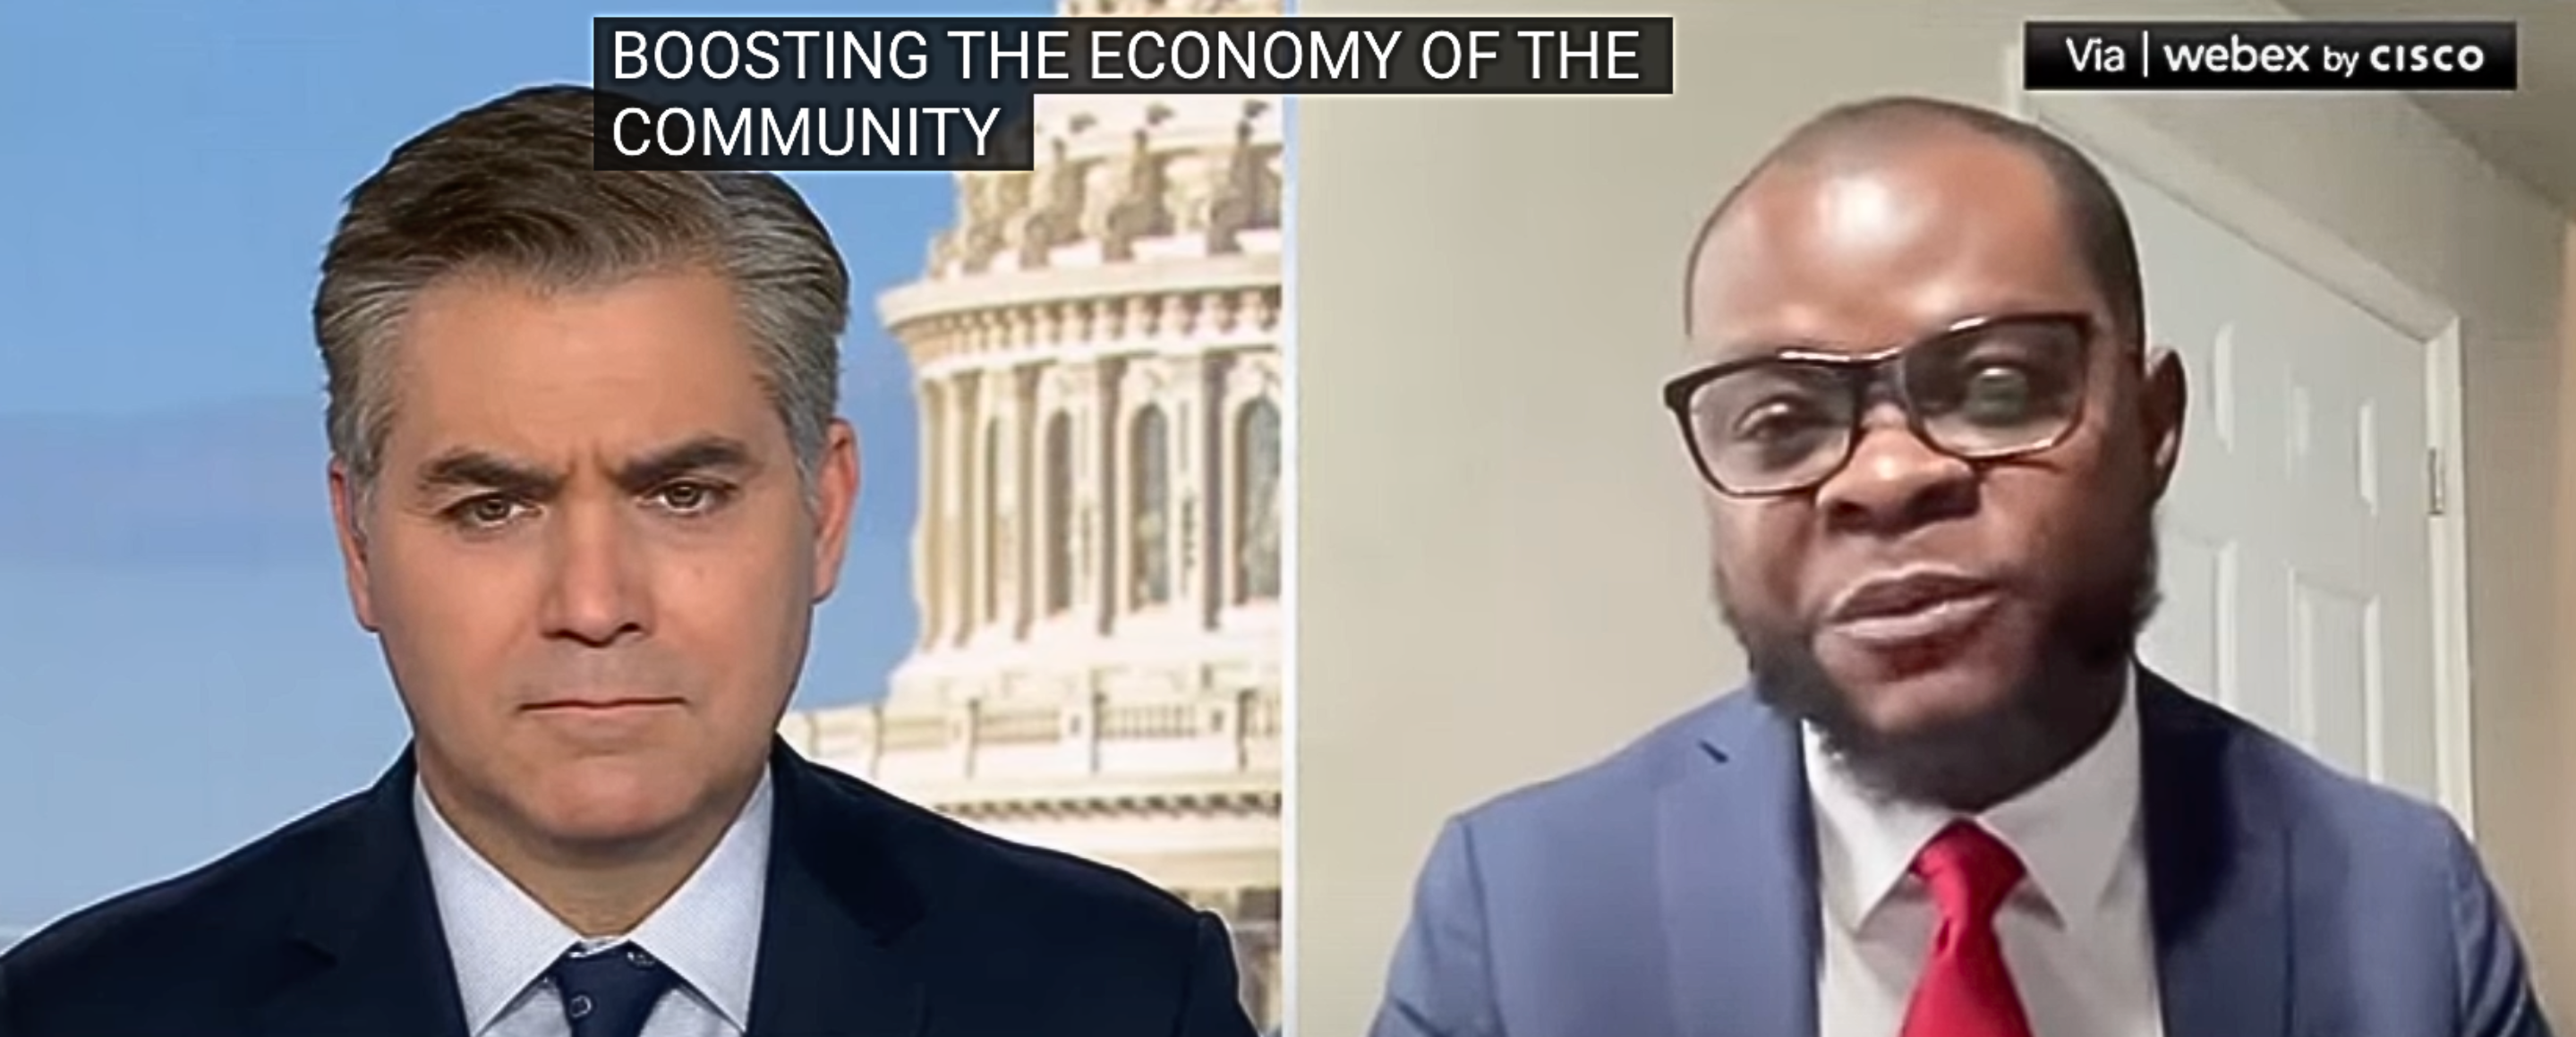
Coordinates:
883	920
1670	892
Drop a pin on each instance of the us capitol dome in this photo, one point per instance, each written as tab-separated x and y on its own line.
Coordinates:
1096	561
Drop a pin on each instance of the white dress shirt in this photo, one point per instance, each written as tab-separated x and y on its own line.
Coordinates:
502	942
2076	933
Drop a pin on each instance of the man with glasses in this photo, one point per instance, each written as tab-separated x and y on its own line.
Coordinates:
1950	804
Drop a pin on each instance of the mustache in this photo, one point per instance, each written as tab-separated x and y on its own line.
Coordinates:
2117	603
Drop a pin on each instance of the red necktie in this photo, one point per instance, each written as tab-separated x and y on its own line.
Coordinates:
1965	990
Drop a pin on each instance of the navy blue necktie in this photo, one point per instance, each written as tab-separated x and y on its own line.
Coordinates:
611	993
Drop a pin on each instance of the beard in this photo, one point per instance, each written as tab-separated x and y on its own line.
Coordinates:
1971	762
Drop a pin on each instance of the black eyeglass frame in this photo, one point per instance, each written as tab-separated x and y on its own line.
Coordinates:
1861	373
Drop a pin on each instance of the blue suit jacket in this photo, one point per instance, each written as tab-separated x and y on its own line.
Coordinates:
1670	891
883	920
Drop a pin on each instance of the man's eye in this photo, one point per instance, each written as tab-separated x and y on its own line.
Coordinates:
2000	386
689	498
486	512
1778	419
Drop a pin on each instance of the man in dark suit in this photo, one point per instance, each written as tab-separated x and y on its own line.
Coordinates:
589	485
1950	804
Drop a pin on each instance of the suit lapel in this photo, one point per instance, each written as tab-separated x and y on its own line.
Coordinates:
831	960
2218	867
371	927
1736	870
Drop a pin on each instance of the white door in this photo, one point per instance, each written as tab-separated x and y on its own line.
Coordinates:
2297	563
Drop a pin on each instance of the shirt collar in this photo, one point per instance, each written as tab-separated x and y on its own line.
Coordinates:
501	940
2070	831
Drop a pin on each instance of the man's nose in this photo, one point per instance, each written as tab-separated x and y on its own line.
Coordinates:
596	593
1893	481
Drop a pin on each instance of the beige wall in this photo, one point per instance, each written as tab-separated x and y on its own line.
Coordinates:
1499	570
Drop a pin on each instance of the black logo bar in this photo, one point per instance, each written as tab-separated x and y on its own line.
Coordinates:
2270	56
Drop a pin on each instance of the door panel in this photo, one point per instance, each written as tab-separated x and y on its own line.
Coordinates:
2296	540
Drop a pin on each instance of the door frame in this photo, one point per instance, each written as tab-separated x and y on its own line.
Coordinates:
2104	128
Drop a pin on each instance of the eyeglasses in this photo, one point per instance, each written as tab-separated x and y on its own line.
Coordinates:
1981	390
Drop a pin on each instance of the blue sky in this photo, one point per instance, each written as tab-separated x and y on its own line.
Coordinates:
178	669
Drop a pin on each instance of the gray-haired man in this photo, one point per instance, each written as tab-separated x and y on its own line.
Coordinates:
589	486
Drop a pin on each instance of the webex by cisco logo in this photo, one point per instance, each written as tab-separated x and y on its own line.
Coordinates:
2269	56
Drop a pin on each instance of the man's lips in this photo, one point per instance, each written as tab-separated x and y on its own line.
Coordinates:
1911	606
598	705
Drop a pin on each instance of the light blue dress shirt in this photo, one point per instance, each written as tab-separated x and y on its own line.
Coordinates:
502	941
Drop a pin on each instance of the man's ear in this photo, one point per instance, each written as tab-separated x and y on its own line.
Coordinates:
349	504
2164	400
836	491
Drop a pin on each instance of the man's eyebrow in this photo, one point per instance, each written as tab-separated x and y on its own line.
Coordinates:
1753	347
467	468
702	454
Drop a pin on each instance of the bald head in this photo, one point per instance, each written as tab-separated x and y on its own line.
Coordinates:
1856	140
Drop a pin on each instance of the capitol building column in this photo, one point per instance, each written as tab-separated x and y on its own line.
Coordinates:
985	468
945	614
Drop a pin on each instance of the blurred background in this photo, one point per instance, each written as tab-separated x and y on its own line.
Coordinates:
1058	619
